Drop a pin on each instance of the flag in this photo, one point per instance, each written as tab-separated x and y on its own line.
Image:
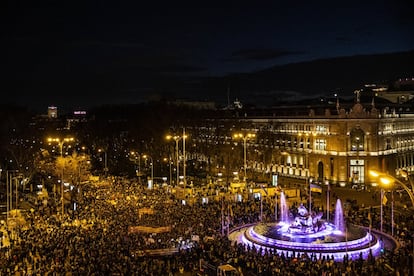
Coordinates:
315	188
384	200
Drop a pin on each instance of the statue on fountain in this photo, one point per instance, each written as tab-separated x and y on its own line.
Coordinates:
306	222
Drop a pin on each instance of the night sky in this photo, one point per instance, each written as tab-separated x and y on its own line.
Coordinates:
80	54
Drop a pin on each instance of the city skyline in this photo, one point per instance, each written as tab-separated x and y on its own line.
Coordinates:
65	55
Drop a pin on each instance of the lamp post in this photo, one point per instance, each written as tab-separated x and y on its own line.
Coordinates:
80	165
184	160
60	143
387	180
152	168
176	138
392	213
407	177
275	206
244	137
382	211
327	199
169	167
136	158
261	207
9	191
105	161
310	194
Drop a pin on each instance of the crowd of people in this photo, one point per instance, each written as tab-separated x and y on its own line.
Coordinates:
103	232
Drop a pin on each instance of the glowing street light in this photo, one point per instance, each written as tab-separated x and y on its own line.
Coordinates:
152	167
136	156
407	177
244	137
177	138
387	179
105	161
60	143
384	182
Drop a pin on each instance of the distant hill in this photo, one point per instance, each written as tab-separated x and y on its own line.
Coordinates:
315	78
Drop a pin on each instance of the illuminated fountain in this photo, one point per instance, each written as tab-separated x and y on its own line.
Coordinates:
284	208
339	217
306	232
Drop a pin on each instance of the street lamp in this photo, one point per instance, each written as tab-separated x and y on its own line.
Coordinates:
169	166
136	156
310	180
152	168
80	166
406	175
60	143
327	199
105	161
387	180
184	160
244	137
10	176
177	138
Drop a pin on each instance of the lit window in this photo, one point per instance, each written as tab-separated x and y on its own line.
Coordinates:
357	136
320	144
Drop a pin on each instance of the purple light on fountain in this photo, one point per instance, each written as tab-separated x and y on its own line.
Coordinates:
284	210
307	233
339	216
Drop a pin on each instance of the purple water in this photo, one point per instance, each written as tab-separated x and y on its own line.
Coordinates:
339	216
284	209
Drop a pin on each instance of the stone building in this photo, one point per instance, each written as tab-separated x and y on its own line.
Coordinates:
332	144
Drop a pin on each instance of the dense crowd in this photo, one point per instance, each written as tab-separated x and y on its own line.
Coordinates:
95	238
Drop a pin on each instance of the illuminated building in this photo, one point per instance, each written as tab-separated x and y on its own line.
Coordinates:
330	143
52	112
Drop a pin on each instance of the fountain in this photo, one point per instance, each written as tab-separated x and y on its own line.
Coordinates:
284	209
308	233
339	216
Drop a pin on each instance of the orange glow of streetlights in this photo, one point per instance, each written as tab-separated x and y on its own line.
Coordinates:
244	137
61	142
152	167
177	138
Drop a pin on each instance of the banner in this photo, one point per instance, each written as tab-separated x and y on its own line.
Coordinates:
315	188
145	211
148	229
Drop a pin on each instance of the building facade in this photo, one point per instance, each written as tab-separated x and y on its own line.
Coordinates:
335	145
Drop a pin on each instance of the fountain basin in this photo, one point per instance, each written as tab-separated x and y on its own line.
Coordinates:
326	241
309	234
